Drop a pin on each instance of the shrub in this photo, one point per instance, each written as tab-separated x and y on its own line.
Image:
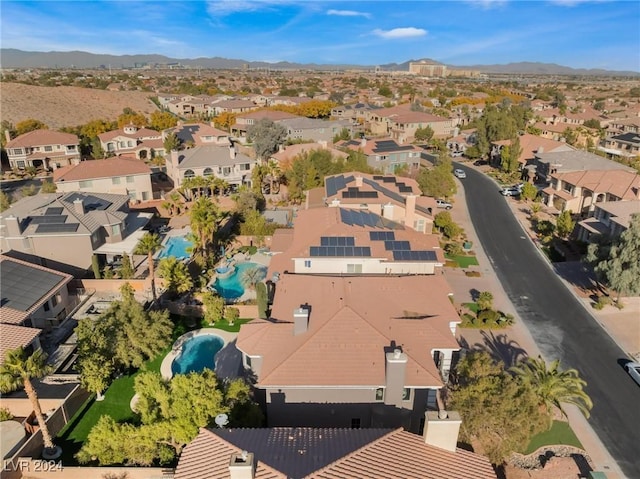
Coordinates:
5	414
489	317
485	300
231	314
472	274
453	249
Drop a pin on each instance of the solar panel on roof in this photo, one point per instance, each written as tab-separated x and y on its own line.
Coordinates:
53	211
414	256
330	186
39	220
381	235
397	245
377	177
57	228
345	217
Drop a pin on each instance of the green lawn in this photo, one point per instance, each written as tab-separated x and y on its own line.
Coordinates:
560	433
116	404
463	261
224	325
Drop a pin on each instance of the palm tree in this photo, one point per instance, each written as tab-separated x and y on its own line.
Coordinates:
552	385
251	276
18	370
149	244
205	219
176	275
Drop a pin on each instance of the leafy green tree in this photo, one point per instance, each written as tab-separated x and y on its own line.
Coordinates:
570	136
128	117
529	192
438	181
149	244
592	123
564	224
261	298
246	200
171	142
126	270
17	371
553	386
499	413
231	314
97	152
161	120
509	156
6	126
213	306
5	201
266	137
485	301
620	267
254	224
175	274
30	190
25	126
385	91
424	134
342	136
48	187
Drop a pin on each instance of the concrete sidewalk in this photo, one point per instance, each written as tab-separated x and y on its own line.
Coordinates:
516	342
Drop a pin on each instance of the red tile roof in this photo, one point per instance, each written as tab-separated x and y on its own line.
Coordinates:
43	137
141	133
92	169
13	337
622	184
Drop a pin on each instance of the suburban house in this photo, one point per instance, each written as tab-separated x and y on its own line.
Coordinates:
198	134
286	154
320	453
352	350
547	163
246	120
392	197
189	105
609	218
352	241
118	175
400	123
45	149
385	154
460	142
65	230
356	113
230	106
530	145
144	143
624	145
222	162
34	298
315	129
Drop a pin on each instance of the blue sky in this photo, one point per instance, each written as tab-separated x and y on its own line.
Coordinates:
577	33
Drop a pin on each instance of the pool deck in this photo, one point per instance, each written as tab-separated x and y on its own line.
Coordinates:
165	367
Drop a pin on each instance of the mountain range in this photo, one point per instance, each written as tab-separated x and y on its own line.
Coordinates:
13	58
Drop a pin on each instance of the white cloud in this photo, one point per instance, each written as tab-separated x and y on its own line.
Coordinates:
406	32
487	4
348	13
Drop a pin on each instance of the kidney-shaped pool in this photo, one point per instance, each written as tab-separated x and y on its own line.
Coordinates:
197	353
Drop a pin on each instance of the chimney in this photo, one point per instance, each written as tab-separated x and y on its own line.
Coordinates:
358	181
13	226
441	429
241	466
78	204
409	209
7	135
363	142
396	365
232	152
300	321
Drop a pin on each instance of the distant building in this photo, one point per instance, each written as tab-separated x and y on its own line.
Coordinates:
144	143
46	149
428	69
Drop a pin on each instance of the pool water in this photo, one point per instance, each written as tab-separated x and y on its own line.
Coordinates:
176	246
231	286
197	354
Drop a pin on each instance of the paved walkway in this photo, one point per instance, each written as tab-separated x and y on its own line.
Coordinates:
516	342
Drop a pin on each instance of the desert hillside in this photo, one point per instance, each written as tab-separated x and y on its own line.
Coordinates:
68	105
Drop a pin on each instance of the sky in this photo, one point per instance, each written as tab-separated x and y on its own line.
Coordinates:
576	33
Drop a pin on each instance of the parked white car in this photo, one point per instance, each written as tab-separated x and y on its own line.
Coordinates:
458	173
510	191
443	204
634	371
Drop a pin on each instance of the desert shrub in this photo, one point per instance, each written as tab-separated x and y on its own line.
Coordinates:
601	302
5	414
472	274
231	314
453	249
489	317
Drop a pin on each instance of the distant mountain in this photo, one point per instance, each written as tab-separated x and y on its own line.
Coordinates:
13	58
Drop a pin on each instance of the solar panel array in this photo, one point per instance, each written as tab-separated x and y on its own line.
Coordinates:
383	190
334	184
404	188
382	235
389	145
337	241
57	228
23	285
397	245
404	255
365	218
46	219
54	211
341	251
356	193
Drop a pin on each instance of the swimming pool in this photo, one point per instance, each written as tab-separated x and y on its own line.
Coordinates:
231	286
176	246
197	354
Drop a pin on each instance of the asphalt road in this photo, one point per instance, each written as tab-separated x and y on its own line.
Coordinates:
12	186
562	328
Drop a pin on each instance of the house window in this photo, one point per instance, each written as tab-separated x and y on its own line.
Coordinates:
248	361
116	181
145	195
48	148
115	230
86	184
226	171
406	394
46	306
355	423
130	179
129	143
354	268
17	151
244	167
132	194
189	174
380	394
20	164
307	263
71	147
207	172
54	300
